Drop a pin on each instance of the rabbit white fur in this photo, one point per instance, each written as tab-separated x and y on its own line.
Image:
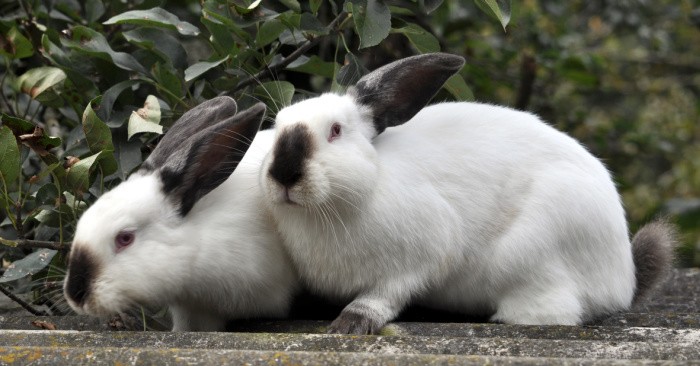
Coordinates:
209	260
465	207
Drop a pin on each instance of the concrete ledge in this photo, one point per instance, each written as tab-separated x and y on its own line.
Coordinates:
175	356
593	349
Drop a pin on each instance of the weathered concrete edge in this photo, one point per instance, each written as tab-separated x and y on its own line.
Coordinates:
492	330
174	356
361	344
480	330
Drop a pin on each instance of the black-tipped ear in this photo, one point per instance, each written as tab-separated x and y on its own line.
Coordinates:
209	157
397	91
193	121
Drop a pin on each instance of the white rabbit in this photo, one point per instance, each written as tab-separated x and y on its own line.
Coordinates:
463	206
180	232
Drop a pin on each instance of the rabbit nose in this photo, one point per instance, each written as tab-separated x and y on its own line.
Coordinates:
286	178
81	271
292	149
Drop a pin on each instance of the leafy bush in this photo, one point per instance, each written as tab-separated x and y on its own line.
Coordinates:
87	88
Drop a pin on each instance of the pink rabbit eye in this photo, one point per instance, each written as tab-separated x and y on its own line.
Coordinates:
335	132
123	240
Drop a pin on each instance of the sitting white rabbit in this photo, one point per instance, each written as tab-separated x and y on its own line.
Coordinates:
180	232
462	206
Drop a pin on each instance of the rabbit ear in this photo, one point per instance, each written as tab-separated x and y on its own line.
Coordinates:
207	159
193	121
397	91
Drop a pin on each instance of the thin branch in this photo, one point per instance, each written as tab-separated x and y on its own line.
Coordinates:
21	302
528	71
27	243
333	27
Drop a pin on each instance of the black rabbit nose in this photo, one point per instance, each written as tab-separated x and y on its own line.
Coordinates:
292	149
82	269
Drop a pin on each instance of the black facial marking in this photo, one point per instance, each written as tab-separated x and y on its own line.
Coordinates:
81	272
292	148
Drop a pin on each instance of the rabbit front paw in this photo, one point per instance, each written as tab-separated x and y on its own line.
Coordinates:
349	322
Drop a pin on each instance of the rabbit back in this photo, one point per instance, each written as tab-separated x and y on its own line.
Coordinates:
534	211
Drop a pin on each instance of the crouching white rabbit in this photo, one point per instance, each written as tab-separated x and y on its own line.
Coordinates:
187	230
461	206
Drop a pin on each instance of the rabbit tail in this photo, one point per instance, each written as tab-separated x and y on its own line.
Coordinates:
652	249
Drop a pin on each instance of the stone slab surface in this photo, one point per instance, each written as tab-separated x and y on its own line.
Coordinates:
175	356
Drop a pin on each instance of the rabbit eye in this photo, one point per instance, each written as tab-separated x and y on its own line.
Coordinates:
335	132
123	240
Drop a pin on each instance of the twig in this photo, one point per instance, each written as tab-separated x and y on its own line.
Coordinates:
528	70
27	243
271	70
21	302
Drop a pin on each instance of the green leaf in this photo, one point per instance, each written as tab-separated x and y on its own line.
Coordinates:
52	217
277	93
421	39
315	5
97	133
221	38
47	194
94	9
269	32
168	78
53	52
37	80
246	9
9	156
128	153
146	119
498	9
458	88
15	45
372	21
313	65
92	43
292	4
428	6
99	138
155	17
214	13
310	24
29	265
167	47
109	97
21	126
201	67
78	177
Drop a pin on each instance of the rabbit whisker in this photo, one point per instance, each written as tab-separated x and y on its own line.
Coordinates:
233	134
335	212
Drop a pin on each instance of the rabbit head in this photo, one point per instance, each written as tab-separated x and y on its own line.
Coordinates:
323	152
135	244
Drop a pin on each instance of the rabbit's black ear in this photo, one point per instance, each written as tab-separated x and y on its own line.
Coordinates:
207	158
397	91
196	119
